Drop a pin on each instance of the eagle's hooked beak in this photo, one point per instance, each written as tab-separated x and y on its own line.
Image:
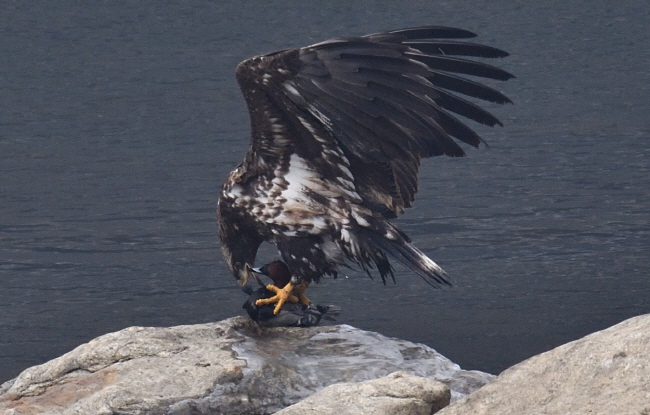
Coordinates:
245	274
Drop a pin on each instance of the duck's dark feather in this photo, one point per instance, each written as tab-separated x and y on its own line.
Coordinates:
338	132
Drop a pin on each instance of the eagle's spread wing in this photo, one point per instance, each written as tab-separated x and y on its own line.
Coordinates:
338	132
365	110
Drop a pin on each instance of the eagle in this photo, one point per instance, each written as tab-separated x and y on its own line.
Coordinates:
338	130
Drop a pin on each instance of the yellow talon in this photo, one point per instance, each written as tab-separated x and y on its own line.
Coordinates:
279	272
281	296
300	292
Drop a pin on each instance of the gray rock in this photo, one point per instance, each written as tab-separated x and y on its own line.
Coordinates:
231	367
607	372
399	393
136	370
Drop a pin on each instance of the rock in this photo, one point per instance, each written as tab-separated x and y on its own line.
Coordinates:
135	370
607	372
399	393
232	367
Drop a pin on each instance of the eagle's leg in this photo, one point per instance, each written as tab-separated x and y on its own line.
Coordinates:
300	292
281	296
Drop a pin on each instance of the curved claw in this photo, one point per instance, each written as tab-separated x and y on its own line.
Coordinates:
281	296
300	292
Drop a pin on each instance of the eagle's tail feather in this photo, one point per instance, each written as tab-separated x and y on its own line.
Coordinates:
399	247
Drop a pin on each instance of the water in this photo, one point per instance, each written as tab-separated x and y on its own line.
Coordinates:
119	121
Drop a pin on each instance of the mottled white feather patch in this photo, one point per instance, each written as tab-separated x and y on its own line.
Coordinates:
360	219
299	176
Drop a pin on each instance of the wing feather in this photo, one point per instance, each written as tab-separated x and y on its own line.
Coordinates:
459	65
448	47
467	87
427	32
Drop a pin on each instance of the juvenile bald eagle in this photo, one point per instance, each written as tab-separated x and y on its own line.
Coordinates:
337	133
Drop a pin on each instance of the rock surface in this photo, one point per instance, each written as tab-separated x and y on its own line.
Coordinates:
607	372
231	367
399	393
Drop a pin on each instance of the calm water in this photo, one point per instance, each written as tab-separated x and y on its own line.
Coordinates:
120	120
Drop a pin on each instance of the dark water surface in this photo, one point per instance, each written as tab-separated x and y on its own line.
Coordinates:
120	120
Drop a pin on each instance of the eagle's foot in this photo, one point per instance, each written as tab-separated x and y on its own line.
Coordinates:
281	296
300	292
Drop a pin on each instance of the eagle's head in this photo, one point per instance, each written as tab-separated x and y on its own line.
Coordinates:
239	245
240	257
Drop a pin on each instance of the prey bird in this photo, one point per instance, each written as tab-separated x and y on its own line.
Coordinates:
338	130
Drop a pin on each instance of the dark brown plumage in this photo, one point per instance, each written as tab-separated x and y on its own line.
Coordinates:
338	130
